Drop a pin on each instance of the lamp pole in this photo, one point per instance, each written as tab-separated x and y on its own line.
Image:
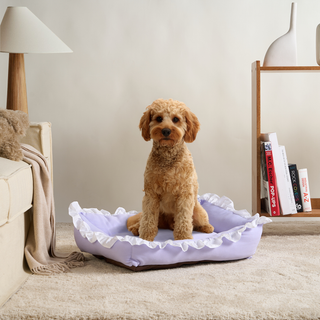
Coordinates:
17	89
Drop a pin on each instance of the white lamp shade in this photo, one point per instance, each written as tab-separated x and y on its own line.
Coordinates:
22	32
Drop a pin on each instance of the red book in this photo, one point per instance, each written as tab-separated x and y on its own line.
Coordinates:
272	180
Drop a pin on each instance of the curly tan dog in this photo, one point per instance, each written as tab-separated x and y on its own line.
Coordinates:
170	179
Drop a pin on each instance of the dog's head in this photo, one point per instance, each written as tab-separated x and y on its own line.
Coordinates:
168	122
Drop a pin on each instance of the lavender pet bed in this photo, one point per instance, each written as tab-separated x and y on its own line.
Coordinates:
236	236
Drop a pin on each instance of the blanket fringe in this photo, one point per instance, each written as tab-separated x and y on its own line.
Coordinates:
60	267
78	256
75	259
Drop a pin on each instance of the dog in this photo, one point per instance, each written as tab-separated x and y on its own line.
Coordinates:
170	179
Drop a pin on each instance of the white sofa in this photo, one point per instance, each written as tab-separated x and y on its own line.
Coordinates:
16	193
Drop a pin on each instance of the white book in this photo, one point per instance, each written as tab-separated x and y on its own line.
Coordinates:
305	191
266	197
286	199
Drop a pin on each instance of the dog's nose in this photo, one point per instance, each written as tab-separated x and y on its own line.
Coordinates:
166	132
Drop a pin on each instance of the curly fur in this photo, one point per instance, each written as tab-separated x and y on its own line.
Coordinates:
170	179
13	125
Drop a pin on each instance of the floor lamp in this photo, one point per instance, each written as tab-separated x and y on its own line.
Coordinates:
22	32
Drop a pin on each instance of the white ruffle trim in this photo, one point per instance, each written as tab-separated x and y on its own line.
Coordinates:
227	204
215	241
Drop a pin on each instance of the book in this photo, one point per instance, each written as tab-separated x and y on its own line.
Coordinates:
285	192
305	191
271	201
264	190
294	176
287	176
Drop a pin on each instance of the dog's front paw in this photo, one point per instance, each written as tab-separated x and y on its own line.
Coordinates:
182	235
208	228
148	235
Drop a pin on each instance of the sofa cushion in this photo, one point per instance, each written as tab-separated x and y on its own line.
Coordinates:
13	270
16	189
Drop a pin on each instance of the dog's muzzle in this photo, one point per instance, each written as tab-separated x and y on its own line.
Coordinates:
166	132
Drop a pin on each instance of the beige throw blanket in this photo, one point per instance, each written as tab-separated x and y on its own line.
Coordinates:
41	241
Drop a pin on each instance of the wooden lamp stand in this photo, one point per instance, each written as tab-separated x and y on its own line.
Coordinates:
17	89
22	32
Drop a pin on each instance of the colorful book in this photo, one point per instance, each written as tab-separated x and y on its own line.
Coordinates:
305	191
294	176
286	199
274	207
265	198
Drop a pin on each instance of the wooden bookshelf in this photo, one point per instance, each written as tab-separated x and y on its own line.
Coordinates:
256	71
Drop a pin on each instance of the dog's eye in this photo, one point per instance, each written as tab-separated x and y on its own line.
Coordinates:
175	119
159	119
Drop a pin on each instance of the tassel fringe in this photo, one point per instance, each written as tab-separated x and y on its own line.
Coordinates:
75	259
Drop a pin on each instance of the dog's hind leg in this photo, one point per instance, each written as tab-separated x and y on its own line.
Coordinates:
201	220
133	223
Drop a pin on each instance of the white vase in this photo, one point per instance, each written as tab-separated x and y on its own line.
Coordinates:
318	44
283	51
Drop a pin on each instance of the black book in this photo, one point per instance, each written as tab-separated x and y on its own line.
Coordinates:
294	176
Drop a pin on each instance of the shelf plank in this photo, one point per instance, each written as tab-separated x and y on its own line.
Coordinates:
291	69
315	204
313	214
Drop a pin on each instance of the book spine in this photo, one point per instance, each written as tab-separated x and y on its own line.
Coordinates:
265	199
284	197
272	181
294	175
305	191
287	179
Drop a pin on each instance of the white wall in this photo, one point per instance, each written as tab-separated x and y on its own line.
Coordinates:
127	54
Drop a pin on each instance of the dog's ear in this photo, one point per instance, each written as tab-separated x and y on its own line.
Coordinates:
144	125
193	126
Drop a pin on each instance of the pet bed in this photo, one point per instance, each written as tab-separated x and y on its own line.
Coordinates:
236	236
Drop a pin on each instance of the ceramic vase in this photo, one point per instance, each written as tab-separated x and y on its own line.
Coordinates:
318	44
283	51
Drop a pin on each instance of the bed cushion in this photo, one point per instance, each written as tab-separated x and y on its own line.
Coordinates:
236	236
